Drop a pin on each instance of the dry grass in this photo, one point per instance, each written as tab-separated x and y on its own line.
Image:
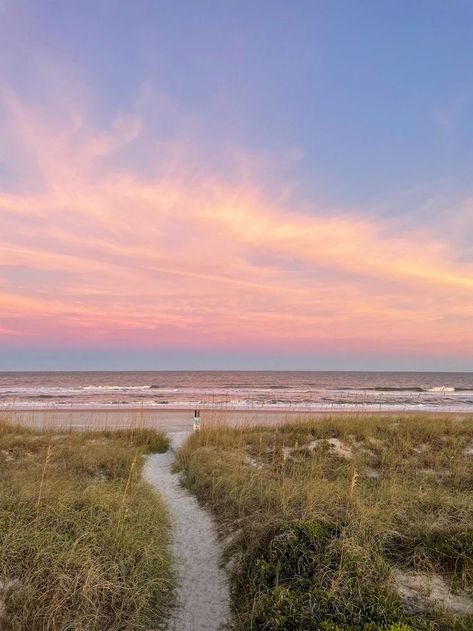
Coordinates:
322	512
83	541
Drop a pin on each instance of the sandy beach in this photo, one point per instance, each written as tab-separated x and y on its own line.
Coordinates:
167	420
176	420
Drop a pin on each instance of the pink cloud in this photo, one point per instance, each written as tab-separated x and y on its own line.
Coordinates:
189	260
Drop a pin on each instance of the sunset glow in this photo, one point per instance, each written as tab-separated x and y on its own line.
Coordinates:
116	236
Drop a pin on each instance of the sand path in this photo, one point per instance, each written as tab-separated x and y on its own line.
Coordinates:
202	594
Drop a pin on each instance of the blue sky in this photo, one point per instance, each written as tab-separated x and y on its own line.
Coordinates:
374	98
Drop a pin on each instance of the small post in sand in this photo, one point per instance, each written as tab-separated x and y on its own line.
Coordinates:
196	423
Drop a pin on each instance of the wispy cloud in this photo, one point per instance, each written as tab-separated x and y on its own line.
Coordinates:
93	251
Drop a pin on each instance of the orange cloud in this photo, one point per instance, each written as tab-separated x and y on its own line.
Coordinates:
92	250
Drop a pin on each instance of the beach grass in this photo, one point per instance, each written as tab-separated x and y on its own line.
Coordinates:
343	523
83	540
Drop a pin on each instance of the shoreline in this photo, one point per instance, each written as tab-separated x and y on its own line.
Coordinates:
177	419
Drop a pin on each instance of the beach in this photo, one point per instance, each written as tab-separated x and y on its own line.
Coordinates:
178	420
276	496
167	398
260	473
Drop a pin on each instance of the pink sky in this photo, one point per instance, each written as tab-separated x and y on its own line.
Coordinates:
244	185
95	255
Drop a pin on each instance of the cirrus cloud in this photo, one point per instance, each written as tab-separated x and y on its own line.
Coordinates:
93	251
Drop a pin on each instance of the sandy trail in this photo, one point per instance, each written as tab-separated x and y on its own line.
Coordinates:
202	594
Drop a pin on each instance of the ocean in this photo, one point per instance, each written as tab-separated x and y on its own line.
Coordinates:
281	390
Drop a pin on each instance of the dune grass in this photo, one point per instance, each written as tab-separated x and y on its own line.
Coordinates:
327	516
83	540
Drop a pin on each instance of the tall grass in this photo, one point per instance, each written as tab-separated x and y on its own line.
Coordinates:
83	541
322	512
43	475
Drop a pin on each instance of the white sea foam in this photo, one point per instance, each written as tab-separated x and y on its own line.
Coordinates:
302	391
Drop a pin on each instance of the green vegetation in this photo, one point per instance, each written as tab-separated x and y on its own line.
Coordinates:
83	541
331	519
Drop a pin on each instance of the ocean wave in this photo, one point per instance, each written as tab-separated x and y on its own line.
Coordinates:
254	390
249	405
397	389
294	392
411	389
112	388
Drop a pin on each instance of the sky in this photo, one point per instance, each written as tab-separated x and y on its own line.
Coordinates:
248	184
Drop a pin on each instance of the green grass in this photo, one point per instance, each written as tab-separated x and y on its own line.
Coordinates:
317	532
83	540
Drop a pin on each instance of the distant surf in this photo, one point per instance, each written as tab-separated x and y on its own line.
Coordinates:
304	391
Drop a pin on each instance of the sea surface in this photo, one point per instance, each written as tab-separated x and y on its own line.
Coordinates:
298	390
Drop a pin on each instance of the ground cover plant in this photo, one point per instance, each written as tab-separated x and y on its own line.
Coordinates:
83	540
353	523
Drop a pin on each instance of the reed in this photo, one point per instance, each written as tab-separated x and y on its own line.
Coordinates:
88	550
322	513
43	475
122	514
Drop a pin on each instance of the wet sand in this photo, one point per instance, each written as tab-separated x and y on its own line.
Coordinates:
175	420
170	420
